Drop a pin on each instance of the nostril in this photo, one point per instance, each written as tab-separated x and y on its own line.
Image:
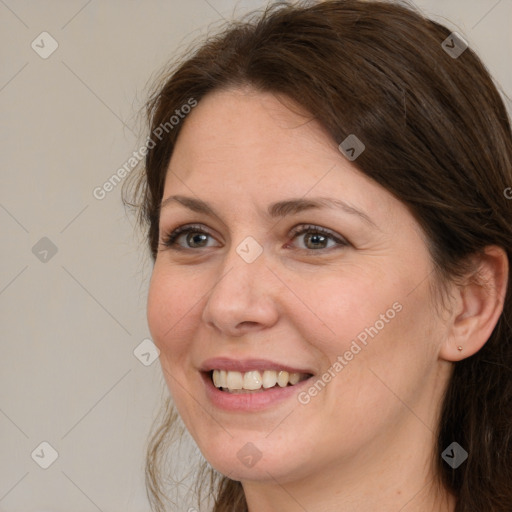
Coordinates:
247	324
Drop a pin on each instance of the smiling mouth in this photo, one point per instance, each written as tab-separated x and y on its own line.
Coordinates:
254	381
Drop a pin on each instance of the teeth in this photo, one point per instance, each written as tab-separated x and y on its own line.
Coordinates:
269	379
220	379
254	380
282	379
234	380
294	378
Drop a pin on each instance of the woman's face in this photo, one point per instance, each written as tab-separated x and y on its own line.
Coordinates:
295	262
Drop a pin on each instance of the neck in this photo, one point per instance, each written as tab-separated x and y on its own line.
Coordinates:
391	475
366	496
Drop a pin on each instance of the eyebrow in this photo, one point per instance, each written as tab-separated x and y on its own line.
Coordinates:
275	210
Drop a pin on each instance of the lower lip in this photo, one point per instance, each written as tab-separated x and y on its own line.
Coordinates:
249	401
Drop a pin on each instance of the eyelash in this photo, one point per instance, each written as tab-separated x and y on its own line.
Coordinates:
169	240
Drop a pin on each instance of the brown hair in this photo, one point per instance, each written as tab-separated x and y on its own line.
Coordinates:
437	137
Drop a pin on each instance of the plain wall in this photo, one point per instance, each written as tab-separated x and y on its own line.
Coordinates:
71	321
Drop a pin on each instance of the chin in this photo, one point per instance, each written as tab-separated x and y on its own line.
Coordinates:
248	457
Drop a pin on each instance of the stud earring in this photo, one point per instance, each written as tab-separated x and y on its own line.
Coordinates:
459	348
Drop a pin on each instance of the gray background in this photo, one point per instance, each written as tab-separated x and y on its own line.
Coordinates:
71	322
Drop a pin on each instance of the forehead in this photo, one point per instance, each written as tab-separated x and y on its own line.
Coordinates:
245	126
243	144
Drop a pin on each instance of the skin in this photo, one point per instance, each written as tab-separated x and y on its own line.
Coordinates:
365	442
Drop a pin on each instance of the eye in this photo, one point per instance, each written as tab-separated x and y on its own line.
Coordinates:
194	236
316	237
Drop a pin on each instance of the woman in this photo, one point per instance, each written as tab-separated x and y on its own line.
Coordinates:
330	230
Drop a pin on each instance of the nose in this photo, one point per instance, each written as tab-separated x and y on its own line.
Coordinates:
243	299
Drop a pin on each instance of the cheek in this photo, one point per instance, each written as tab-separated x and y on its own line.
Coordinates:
388	359
342	305
170	311
375	322
171	319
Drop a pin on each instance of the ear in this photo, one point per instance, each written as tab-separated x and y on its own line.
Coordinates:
477	305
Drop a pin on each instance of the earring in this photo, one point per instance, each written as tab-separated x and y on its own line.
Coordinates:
459	348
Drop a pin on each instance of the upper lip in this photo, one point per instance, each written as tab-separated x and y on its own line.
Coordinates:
245	365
